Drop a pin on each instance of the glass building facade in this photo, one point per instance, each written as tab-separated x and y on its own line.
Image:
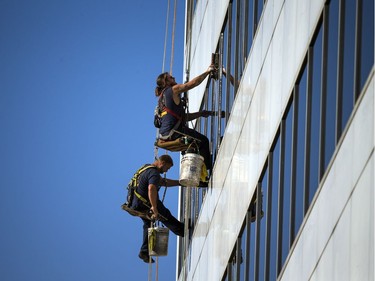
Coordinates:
293	155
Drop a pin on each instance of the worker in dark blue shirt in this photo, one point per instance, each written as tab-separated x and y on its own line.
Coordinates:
147	199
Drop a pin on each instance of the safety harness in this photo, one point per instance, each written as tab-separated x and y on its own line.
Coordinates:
132	186
164	109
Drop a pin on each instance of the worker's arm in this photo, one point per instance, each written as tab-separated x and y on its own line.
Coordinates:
181	88
195	115
231	78
169	182
153	197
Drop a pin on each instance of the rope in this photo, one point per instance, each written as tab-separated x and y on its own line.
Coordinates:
173	32
157	130
165	190
156	150
166	36
150	264
157	269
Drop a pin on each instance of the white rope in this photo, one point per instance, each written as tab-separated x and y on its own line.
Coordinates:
173	32
157	130
166	36
157	269
156	150
150	271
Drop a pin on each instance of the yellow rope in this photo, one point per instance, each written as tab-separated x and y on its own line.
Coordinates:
151	244
151	240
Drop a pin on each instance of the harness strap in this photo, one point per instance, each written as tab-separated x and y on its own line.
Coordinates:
174	114
134	180
133	184
139	196
166	109
171	132
145	202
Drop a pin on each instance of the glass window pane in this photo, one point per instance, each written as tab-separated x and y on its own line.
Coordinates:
331	94
315	115
287	181
274	215
348	63
244	238
367	51
252	251
250	23
260	10
300	157
262	241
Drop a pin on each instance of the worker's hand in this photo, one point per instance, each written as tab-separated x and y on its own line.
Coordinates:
211	68
155	213
206	113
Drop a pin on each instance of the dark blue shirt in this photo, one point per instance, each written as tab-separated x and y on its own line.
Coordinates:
168	121
149	176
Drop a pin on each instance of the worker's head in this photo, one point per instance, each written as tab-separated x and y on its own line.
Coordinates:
164	163
164	80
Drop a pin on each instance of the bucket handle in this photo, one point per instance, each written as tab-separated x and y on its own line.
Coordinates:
196	146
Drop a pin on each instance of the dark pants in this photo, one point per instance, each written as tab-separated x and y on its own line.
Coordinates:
171	222
204	145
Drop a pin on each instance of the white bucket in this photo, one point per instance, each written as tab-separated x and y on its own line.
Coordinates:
158	241
191	167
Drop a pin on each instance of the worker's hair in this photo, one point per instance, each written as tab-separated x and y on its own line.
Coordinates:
166	159
161	83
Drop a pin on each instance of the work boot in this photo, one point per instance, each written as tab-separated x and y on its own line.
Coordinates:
145	257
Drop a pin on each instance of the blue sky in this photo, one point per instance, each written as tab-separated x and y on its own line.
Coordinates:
77	83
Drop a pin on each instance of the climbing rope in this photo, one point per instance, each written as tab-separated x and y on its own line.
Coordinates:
165	37
157	130
156	150
173	32
165	190
150	258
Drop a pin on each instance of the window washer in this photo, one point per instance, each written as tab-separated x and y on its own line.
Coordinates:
175	118
147	199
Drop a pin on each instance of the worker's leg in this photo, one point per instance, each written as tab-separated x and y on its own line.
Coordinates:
204	145
146	225
171	222
143	253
